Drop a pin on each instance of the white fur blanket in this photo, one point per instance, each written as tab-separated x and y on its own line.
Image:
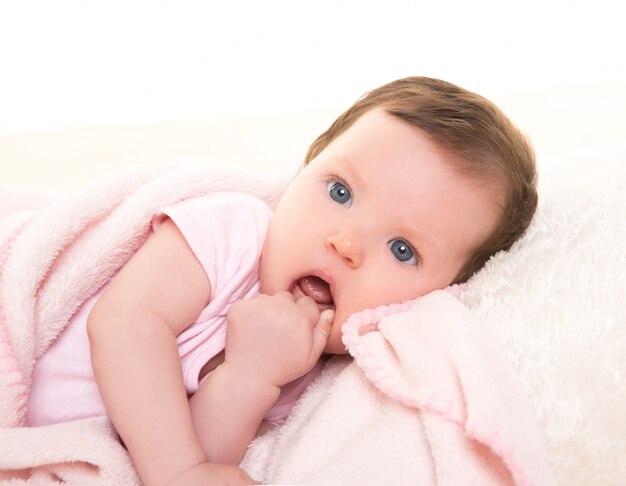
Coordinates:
429	399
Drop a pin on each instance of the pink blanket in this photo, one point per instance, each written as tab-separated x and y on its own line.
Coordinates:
429	399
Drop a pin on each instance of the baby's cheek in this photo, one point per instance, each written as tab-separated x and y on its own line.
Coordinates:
335	345
367	298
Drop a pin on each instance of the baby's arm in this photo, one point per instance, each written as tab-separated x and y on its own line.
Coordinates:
270	341
227	410
132	333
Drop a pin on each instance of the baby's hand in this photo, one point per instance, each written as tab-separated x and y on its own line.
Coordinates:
214	474
275	339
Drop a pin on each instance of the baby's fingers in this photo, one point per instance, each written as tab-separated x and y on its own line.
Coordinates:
321	332
310	309
283	294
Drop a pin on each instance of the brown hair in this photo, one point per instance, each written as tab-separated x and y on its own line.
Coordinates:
479	140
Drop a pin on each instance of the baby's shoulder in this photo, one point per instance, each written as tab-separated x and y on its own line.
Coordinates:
223	222
229	204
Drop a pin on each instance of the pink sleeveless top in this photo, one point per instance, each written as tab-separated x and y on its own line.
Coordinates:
226	232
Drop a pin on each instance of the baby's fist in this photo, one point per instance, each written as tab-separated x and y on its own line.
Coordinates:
276	338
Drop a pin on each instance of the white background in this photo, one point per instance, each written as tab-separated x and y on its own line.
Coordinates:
67	63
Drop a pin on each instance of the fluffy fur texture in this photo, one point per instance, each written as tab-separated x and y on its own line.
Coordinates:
51	261
429	399
554	302
83	452
54	260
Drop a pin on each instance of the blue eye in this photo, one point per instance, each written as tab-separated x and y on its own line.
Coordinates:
340	193
403	252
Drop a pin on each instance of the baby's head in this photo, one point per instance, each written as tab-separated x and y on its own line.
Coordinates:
478	141
411	189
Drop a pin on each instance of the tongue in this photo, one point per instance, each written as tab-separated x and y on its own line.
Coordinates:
317	289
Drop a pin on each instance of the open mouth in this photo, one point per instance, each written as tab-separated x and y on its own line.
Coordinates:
317	288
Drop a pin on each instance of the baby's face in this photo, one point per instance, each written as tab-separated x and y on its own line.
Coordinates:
376	218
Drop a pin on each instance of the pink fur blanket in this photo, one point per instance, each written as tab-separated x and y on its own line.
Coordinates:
429	398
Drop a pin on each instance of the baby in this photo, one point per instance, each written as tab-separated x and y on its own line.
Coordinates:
218	322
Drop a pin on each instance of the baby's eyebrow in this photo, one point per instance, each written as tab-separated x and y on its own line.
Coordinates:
346	167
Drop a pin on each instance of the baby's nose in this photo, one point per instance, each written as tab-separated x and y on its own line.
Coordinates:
347	246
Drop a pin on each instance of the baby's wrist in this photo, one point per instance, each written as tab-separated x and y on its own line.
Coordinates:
249	380
184	476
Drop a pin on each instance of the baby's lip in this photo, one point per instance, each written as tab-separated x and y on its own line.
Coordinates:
298	291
